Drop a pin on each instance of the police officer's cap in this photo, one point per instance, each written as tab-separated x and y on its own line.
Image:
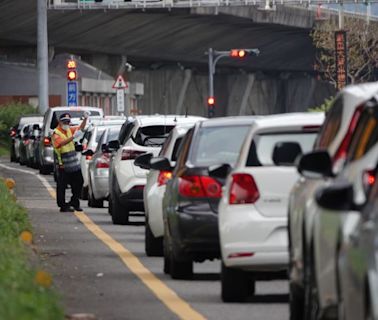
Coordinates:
65	117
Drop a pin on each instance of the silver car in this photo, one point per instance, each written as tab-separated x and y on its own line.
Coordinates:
98	169
33	136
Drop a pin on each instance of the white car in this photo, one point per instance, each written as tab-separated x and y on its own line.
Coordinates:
335	228
334	137
89	141
155	188
148	133
252	211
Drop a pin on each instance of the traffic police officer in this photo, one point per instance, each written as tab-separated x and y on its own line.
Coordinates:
69	170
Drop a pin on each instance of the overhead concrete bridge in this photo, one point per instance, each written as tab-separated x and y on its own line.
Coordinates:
166	41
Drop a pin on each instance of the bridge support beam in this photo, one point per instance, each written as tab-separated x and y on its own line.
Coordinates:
247	93
184	88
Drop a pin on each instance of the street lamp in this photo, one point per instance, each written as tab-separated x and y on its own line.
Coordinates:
214	57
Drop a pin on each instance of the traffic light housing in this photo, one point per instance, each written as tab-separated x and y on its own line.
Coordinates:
242	53
211	106
71	70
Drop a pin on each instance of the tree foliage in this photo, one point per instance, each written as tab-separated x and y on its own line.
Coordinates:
362	47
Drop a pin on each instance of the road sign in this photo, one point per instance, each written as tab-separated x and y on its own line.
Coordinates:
120	100
72	93
120	83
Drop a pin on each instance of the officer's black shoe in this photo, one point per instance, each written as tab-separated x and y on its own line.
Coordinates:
66	209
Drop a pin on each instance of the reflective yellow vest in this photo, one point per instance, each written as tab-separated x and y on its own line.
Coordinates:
69	147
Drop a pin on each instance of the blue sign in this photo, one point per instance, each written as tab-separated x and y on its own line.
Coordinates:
72	93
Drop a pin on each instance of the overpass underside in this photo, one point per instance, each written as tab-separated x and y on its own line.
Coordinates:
162	42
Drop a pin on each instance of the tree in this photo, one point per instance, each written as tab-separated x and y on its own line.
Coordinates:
362	44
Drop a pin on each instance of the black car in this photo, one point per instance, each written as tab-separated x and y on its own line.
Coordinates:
190	203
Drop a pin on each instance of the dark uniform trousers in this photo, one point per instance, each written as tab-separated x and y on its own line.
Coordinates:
75	180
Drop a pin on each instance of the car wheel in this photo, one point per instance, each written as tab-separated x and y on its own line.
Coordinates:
153	245
180	269
311	294
92	202
109	205
296	302
84	193
120	214
234	284
44	170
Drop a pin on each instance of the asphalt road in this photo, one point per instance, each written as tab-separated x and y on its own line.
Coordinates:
101	269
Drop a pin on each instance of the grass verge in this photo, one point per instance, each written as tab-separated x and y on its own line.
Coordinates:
25	293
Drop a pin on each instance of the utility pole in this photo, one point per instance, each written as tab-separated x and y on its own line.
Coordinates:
42	56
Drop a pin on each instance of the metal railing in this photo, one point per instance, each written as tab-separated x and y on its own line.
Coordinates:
135	4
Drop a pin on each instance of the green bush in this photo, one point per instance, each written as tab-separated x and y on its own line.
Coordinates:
21	297
9	114
324	107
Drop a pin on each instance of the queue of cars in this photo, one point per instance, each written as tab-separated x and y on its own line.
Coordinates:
279	196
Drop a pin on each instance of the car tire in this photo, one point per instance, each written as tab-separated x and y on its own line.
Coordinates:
84	193
44	170
92	202
166	253
312	311
181	270
153	246
120	214
234	284
296	302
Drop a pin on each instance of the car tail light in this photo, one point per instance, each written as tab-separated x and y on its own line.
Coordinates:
368	179
26	142
47	141
128	154
12	133
343	148
243	189
88	157
199	187
163	177
103	161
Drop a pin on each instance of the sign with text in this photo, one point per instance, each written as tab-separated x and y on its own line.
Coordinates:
72	94
341	59
120	100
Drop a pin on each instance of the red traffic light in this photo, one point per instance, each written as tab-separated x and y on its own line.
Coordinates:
71	64
72	75
238	53
211	101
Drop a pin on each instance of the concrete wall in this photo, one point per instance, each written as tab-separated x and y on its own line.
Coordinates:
285	93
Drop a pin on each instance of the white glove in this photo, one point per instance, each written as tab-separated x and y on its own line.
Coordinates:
77	134
86	114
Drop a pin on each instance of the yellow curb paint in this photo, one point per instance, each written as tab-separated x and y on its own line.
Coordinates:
161	290
166	295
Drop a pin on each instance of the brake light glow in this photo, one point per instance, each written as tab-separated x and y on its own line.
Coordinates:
88	157
128	154
241	255
243	189
12	133
47	141
343	148
163	177
368	179
199	187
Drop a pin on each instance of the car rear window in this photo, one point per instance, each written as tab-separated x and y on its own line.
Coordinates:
261	149
153	136
215	145
74	114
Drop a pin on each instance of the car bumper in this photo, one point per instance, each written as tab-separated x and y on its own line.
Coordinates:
195	234
48	156
155	210
100	184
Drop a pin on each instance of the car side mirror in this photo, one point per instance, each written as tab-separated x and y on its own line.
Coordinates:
79	147
143	161
104	147
160	163
338	197
88	152
285	153
32	137
220	171
113	145
36	127
315	165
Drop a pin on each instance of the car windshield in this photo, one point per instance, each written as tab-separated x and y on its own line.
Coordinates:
216	145
153	136
73	114
262	146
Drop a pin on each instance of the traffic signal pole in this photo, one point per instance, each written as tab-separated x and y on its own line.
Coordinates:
42	56
214	57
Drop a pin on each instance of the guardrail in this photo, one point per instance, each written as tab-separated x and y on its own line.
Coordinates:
133	4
